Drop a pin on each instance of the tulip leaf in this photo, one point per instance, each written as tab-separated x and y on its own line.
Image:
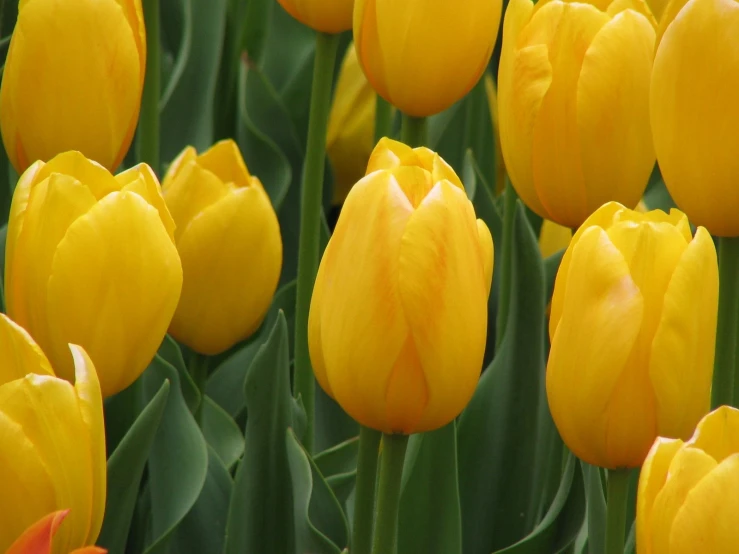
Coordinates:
499	502
596	502
551	267
560	526
125	468
222	434
170	351
430	519
320	523
260	517
178	463
339	465
203	529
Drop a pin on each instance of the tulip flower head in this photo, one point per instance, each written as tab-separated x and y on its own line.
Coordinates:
573	97
229	242
73	80
695	113
39	537
398	316
90	260
326	16
687	498
633	329
422	56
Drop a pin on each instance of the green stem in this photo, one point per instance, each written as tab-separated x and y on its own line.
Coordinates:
383	118
414	131
618	493
198	369
504	296
148	133
724	380
388	498
311	197
364	498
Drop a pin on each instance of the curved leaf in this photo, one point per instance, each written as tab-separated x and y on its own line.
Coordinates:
222	434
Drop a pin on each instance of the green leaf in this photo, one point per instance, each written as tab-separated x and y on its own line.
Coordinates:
339	465
222	434
260	515
596	502
430	519
203	529
171	353
125	468
564	519
499	426
551	267
178	462
320	523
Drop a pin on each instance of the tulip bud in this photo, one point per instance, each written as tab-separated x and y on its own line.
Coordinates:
73	80
695	113
38	538
53	443
687	501
573	89
90	259
326	16
229	241
633	328
351	126
398	316
423	59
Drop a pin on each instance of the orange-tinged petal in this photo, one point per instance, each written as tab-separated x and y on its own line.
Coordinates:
89	550
718	433
327	16
19	354
141	180
37	539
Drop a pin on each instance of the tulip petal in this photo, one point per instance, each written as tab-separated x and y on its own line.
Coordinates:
363	327
390	154
224	160
188	155
231	260
718	433
443	287
114	286
651	480
553	238
19	354
706	522
367	43
141	180
694	112
599	324
88	172
37	539
315	339
681	362
617	155
487	250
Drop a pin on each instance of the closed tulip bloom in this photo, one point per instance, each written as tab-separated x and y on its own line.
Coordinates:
53	444
229	241
695	113
573	96
398	316
687	499
633	328
422	56
351	126
90	259
39	537
73	80
327	16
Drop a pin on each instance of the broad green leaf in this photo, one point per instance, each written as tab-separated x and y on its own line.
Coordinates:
178	462
596	502
320	523
497	432
170	351
430	519
333	425
288	44
125	468
222	434
341	458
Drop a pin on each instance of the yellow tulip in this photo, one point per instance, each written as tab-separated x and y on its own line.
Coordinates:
52	450
90	259
695	113
229	241
491	92
327	16
38	538
351	126
73	80
423	58
687	501
573	98
398	316
633	328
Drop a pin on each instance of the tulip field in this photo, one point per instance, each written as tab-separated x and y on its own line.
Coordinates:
369	277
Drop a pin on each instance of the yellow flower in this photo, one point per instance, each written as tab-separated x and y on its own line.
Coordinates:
90	259
52	445
73	80
327	16
695	113
398	316
422	58
351	126
573	96
633	327
687	501
229	241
